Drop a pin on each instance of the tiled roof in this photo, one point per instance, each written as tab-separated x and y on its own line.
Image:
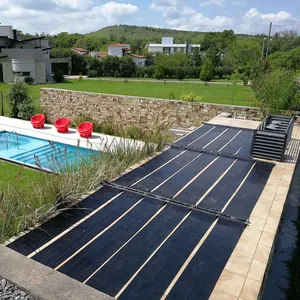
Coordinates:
80	50
102	54
137	56
117	45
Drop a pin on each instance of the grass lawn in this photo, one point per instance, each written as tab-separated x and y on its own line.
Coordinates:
17	175
213	93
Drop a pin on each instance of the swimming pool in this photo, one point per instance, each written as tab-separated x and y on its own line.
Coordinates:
41	153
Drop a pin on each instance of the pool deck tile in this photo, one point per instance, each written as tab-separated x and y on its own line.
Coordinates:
250	289
262	253
230	283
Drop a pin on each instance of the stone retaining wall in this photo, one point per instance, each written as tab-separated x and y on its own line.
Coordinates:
131	110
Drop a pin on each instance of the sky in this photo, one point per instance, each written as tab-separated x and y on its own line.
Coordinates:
83	16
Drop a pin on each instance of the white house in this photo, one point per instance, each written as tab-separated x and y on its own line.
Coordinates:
120	50
167	46
20	59
139	60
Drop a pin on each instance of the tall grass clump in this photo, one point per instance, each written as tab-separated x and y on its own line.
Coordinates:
158	134
24	206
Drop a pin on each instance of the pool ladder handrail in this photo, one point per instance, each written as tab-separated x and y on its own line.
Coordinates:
17	137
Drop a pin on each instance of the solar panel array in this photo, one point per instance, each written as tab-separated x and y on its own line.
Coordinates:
164	228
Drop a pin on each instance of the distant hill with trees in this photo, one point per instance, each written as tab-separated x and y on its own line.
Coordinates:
120	32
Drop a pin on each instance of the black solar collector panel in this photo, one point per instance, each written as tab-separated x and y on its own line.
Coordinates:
244	201
148	167
182	178
202	183
165	172
245	150
87	261
47	231
64	247
222	140
222	192
200	276
196	134
155	277
208	138
113	276
235	145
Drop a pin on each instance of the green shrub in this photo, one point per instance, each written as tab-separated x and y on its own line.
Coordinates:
191	97
160	72
117	74
207	73
180	74
138	73
92	74
26	110
171	96
21	102
58	76
277	91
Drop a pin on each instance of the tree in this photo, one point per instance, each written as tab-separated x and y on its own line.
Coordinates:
196	58
58	76
20	101
160	72
243	55
127	66
110	64
207	73
180	74
93	64
178	59
276	91
289	60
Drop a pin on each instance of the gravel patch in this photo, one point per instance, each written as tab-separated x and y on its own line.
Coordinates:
10	292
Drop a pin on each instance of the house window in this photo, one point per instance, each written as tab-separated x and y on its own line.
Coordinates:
22	74
176	49
166	50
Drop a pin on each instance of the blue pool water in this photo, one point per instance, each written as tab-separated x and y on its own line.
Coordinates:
42	153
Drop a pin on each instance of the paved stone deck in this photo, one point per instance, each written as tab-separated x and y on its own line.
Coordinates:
243	275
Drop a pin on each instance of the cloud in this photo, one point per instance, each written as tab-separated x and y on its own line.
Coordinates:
238	2
53	16
198	22
178	15
257	22
188	10
212	2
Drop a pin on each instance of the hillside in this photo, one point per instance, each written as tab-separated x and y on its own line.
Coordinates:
118	32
